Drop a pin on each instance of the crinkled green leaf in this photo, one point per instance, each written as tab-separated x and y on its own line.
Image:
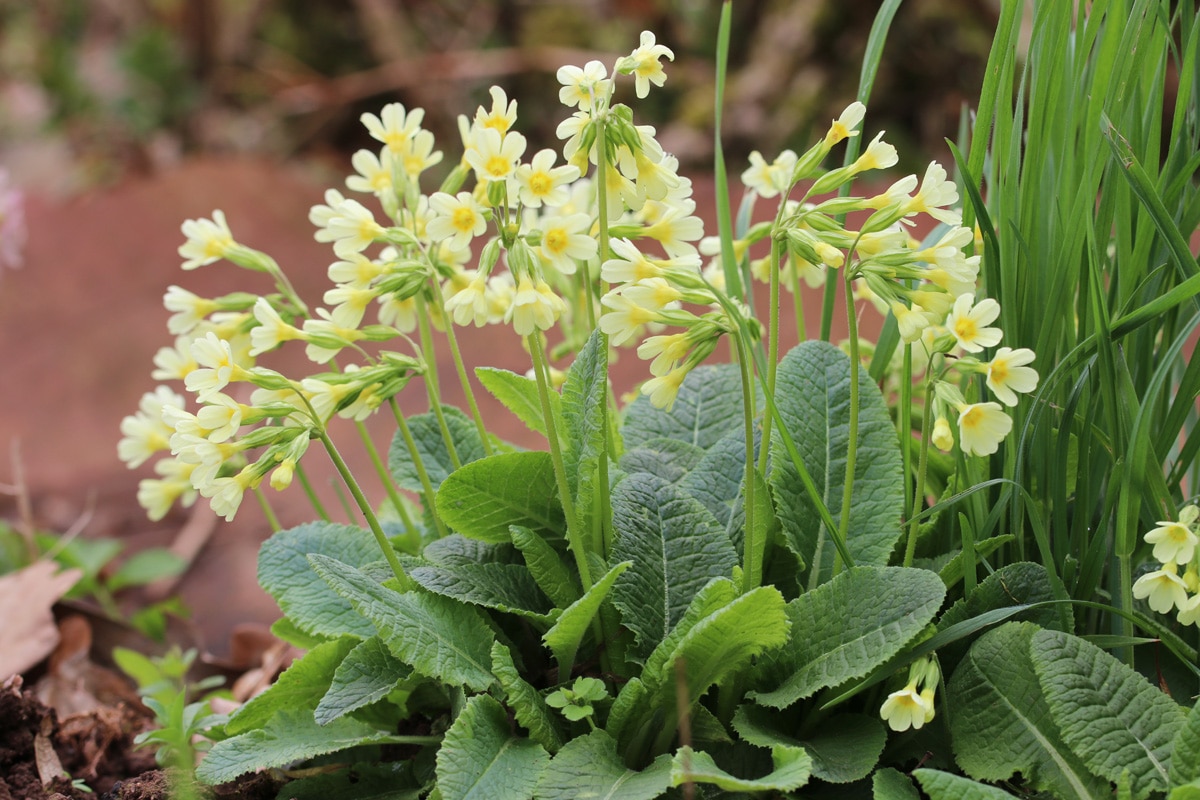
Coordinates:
284	572
1189	791
431	447
367	674
813	396
627	709
504	587
891	784
1001	723
678	547
845	628
300	686
1110	715
669	459
1014	584
290	735
480	757
365	781
567	634
709	403
845	748
584	400
481	499
1185	750
437	636
546	566
519	395
526	702
946	786
793	768
717	480
589	767
456	550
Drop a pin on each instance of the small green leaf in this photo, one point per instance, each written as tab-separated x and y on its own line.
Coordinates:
813	397
845	628
588	766
793	768
527	704
367	674
890	784
145	567
504	587
284	572
300	686
437	636
568	632
945	786
291	735
1109	714
519	395
480	757
546	566
1185	750
483	498
431	447
1001	723
678	547
708	405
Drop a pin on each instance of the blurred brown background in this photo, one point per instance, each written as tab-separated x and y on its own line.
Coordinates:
121	118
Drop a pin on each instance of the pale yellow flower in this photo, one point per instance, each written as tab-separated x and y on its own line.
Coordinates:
770	180
394	126
981	428
1007	375
584	88
208	241
643	63
1173	541
457	219
942	437
843	127
501	116
565	241
188	309
906	708
663	389
968	323
1162	589
542	183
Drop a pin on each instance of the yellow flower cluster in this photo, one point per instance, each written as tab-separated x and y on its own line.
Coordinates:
1175	545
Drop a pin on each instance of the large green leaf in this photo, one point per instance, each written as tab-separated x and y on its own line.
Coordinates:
812	393
519	395
584	406
300	686
567	634
1185	750
669	459
291	735
284	572
717	480
678	547
480	757
504	587
481	499
362	781
1014	584
546	566
588	766
946	786
1001	723
437	636
1109	714
891	784
845	628
367	674
708	405
793	768
431	447
527	703
845	748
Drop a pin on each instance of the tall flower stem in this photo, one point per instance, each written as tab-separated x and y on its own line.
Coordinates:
422	474
852	433
752	566
315	501
468	392
429	356
910	546
602	531
364	506
267	510
772	335
578	547
389	485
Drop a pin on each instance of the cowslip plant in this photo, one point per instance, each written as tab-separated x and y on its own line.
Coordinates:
738	582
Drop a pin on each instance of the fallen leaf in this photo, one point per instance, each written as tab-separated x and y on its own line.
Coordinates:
29	633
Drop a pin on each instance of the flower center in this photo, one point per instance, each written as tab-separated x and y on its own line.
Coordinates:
555	240
463	219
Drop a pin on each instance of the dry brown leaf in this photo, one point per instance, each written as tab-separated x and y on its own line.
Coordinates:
28	633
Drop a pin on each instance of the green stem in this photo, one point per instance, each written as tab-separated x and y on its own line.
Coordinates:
752	566
267	510
852	434
798	305
910	547
602	527
560	471
389	485
904	424
426	486
461	368
315	501
381	539
772	338
429	356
